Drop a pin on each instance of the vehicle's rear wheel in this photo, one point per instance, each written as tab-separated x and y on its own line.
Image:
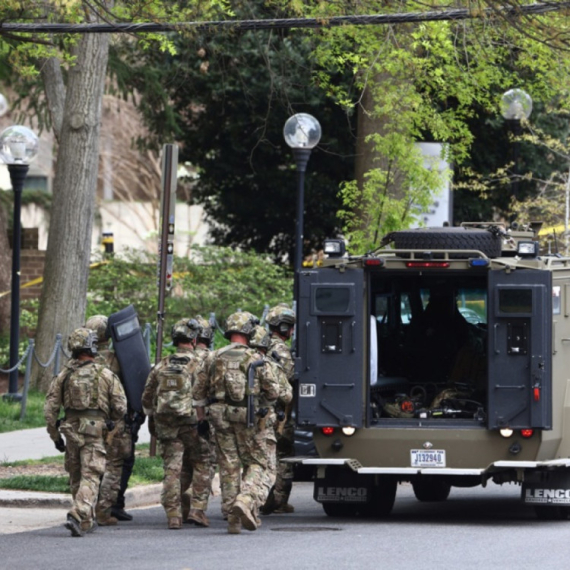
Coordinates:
431	489
383	497
340	509
551	513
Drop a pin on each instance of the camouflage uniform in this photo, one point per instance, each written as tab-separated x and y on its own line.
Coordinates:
118	442
118	446
189	459
223	381
261	341
176	433
281	320
90	395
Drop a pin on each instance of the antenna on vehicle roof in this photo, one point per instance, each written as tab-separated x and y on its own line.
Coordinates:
555	242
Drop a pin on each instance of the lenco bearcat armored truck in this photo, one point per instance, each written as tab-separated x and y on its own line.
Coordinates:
441	359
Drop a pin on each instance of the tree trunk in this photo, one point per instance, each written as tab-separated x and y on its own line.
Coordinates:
63	299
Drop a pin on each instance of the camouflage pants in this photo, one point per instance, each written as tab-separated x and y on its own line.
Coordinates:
194	462
284	477
117	451
174	438
242	459
85	463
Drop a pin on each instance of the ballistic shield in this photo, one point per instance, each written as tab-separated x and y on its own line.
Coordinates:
125	331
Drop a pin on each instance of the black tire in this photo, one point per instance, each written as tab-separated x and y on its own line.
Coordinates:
340	510
449	238
551	513
431	489
383	497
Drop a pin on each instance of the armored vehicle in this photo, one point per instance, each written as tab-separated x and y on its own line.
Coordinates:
441	360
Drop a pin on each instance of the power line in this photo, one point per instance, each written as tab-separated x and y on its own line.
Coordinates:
278	24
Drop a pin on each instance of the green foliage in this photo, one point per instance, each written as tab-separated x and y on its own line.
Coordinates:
372	211
10	413
147	469
216	279
437	81
226	97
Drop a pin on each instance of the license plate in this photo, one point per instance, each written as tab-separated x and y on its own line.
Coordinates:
427	458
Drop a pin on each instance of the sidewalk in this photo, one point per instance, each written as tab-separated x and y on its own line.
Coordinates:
19	509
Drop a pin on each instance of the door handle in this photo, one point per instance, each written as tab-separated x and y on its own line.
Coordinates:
495	337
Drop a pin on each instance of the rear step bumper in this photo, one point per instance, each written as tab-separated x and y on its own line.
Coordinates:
492	468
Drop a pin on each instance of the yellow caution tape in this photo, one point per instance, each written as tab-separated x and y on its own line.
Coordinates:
39	280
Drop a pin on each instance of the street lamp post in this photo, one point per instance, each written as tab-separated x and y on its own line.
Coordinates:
302	132
18	147
516	105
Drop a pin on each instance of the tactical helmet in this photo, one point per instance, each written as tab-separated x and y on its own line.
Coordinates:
184	330
82	340
98	323
206	330
280	314
241	323
260	338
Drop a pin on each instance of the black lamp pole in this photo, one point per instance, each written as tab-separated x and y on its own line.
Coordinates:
18	173
301	156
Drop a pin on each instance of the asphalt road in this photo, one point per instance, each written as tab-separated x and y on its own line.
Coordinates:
474	529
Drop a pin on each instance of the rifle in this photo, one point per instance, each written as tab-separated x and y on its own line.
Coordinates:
250	385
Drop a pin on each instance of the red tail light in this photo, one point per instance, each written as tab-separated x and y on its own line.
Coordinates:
327	430
527	433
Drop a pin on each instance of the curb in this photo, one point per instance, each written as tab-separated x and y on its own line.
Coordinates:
140	496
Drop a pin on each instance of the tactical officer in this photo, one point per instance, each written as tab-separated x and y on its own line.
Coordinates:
167	398
260	340
93	399
281	322
202	350
234	380
119	445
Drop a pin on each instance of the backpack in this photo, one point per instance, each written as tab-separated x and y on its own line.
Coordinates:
82	385
174	392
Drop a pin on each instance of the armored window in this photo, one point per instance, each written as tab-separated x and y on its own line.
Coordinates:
515	301
333	300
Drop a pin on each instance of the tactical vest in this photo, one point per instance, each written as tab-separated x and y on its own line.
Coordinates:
230	374
82	387
174	392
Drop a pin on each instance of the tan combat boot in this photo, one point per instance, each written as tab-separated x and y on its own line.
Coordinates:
104	519
234	525
174	523
198	516
244	513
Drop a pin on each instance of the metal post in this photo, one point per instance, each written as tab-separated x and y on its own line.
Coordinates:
169	166
57	357
31	343
18	174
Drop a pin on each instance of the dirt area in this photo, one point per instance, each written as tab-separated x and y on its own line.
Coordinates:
49	469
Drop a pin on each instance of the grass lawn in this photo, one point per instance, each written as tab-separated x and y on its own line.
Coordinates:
30	474
10	413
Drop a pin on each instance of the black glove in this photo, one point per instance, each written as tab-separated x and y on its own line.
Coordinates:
204	429
60	444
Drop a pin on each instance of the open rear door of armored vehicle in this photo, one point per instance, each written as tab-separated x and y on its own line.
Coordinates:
520	348
331	348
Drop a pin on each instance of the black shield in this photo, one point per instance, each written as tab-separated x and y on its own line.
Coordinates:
129	346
